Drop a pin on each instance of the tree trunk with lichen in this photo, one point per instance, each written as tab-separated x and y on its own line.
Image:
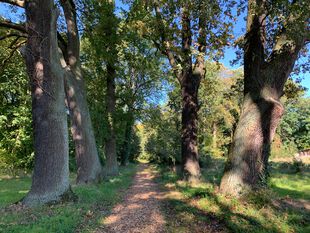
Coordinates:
50	180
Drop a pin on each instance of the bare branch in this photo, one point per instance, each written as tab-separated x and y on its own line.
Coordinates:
11	25
19	3
14	49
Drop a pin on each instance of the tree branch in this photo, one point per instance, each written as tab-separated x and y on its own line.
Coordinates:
62	45
166	43
254	48
19	3
14	49
199	67
11	25
283	58
8	35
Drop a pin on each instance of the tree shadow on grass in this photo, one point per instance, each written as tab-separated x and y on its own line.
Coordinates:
289	168
222	217
291	193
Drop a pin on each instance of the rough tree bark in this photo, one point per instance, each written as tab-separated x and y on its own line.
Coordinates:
110	142
50	180
189	91
189	149
247	165
89	169
88	164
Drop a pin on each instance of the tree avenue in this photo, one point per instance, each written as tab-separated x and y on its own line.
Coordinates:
141	80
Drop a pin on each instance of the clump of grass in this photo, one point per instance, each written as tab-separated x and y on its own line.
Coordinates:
93	202
260	198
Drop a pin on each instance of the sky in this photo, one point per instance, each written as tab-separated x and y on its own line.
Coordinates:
229	52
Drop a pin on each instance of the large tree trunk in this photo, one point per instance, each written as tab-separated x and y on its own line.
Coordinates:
50	180
264	80
89	169
247	164
110	143
189	144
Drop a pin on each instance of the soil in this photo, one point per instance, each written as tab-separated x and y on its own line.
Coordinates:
140	211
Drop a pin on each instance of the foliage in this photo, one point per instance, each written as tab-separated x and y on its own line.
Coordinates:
220	99
16	149
295	125
162	135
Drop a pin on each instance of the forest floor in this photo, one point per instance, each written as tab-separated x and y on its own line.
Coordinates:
284	207
148	206
141	209
148	198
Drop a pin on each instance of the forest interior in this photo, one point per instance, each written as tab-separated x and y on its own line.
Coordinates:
153	116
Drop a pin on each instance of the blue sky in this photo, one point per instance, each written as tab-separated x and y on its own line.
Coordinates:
229	51
229	54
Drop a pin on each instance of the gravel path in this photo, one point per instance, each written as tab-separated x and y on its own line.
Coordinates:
140	211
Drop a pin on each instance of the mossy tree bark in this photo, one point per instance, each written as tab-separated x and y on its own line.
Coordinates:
264	80
50	180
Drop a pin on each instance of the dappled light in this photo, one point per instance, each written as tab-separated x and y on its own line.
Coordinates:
136	116
141	209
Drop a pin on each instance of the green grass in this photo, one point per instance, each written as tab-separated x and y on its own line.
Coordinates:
287	183
94	202
12	190
265	211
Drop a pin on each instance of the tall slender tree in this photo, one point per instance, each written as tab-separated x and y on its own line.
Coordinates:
89	169
101	30
276	33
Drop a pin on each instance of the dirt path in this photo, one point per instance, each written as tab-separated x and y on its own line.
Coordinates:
140	211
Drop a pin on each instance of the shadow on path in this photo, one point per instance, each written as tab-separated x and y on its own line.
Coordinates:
140	211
